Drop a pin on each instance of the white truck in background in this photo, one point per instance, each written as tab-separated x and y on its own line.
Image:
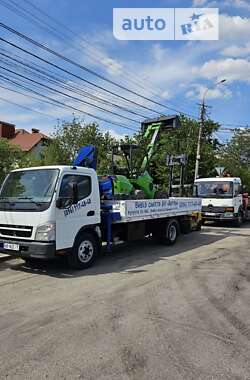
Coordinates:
58	210
223	199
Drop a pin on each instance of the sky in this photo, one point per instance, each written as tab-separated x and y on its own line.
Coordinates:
173	73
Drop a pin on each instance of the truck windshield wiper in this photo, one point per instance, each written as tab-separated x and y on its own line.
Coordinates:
29	199
25	198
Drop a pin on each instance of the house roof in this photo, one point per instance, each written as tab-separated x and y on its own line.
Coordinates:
4	123
26	141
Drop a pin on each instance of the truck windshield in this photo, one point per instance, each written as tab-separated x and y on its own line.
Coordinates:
215	189
28	189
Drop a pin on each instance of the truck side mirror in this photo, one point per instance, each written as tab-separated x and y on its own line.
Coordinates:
73	192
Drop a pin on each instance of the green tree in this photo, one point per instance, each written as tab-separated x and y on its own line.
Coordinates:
11	157
184	140
69	137
235	156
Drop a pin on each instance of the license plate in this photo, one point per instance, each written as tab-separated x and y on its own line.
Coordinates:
210	213
228	214
11	246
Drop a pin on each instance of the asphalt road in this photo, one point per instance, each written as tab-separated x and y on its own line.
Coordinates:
142	312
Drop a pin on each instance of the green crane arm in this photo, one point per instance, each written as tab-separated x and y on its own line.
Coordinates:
153	131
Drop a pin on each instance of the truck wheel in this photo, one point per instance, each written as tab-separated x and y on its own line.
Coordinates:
199	225
239	220
84	252
186	227
30	261
172	232
168	233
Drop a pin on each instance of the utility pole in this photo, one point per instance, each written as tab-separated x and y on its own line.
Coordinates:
201	127
203	108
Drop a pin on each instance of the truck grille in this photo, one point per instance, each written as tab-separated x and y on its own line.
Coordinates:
211	208
15	231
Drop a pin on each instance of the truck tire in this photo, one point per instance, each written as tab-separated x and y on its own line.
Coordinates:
84	252
30	261
186	227
168	233
238	222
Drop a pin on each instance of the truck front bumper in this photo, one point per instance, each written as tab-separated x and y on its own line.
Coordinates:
219	216
25	249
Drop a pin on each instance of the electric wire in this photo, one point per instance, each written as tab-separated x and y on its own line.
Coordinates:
77	76
67	95
68	106
60	33
66	59
64	84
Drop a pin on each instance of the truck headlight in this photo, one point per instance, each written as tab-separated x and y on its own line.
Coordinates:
46	232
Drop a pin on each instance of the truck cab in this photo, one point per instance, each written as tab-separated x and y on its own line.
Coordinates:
44	209
222	199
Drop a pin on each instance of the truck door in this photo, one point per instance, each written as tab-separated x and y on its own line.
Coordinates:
238	200
71	218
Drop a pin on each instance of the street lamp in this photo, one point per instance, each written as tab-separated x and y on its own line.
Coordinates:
201	126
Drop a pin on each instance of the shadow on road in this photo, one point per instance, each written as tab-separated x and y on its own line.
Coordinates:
129	258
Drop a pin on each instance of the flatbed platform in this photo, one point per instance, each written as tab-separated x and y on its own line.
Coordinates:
144	209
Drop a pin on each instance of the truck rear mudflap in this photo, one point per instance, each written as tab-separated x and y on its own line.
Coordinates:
25	249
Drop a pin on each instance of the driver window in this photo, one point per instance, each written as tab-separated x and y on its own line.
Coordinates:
83	182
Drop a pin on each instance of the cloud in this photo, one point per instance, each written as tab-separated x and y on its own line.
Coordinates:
234	28
236	50
229	68
197	91
115	134
240	4
113	66
243	4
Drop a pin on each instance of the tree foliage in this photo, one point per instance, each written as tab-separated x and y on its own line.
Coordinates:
235	156
184	141
69	137
11	157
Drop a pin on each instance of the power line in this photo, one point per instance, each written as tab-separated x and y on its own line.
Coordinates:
77	76
57	102
67	95
65	85
58	55
27	108
60	34
235	125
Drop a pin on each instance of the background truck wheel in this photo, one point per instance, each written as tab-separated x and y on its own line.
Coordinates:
238	222
84	252
30	261
186	226
199	225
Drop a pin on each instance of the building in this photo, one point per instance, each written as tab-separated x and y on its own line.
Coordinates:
33	142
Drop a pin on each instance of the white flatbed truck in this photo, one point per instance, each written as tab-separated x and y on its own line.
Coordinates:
223	199
57	210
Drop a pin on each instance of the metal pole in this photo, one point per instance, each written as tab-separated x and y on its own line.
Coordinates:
201	127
